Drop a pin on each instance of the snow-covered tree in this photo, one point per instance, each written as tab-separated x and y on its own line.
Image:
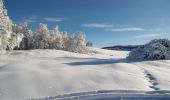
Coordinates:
23	29
41	37
158	49
25	40
77	43
65	40
80	43
5	28
56	40
44	38
14	41
3	42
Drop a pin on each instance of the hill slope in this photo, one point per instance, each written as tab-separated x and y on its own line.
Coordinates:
41	73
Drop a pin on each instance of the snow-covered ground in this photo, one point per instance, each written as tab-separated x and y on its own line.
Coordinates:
45	73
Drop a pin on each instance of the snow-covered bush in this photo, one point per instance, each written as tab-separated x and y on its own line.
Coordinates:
158	49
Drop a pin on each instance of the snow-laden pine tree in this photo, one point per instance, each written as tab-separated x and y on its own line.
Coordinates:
5	28
158	49
9	39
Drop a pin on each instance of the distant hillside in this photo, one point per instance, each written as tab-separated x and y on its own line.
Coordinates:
122	47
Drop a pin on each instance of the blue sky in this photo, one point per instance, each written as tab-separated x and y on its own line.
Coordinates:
105	22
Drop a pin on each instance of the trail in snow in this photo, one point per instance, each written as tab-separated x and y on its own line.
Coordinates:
149	77
157	73
152	80
112	95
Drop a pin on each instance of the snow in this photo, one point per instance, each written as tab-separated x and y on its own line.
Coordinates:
44	73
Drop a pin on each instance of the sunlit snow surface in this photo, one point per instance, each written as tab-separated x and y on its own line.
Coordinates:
47	74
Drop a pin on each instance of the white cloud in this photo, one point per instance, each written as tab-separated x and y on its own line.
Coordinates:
125	29
97	25
34	19
154	29
148	35
112	27
30	21
50	19
122	28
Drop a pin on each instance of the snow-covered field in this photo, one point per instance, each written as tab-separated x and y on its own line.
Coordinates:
45	73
